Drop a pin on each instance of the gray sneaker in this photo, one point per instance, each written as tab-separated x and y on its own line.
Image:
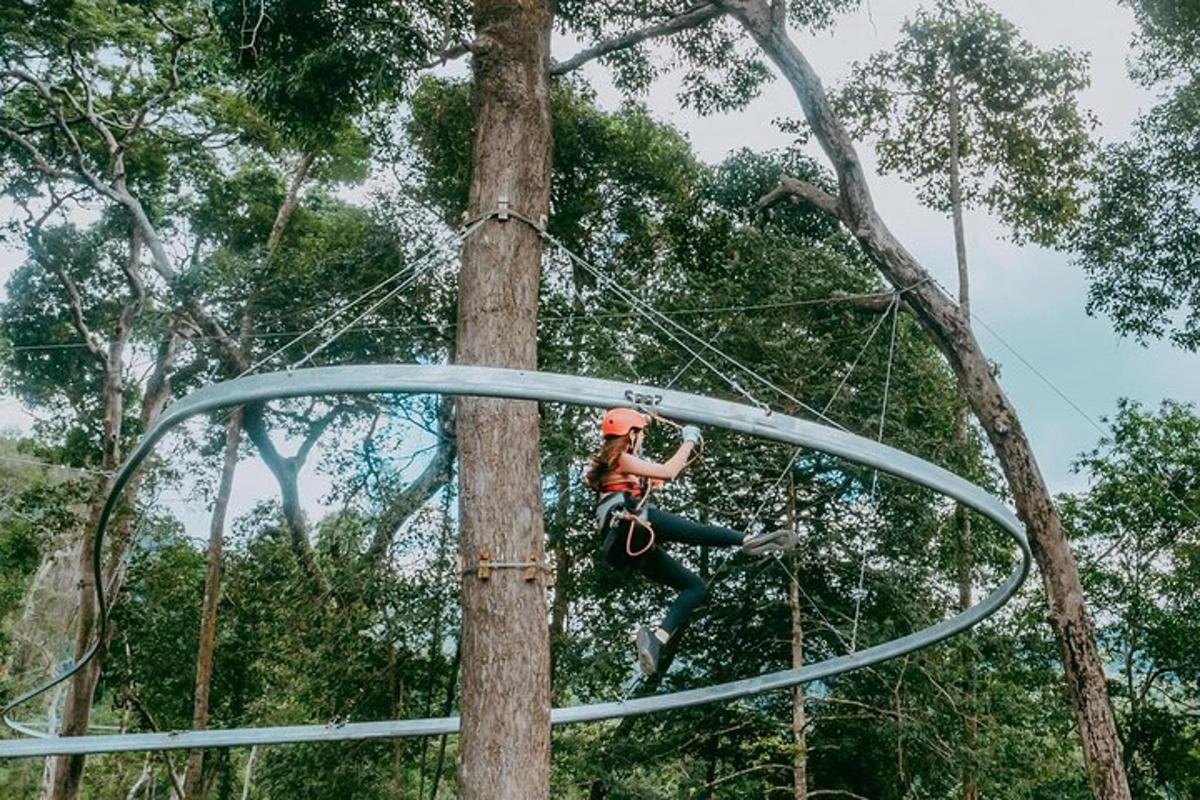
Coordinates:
762	544
648	647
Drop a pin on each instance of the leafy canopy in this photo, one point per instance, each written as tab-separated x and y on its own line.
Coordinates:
1023	138
1139	245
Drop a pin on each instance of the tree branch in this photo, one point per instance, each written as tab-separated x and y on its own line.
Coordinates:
315	431
132	307
693	17
148	719
291	200
179	40
286	475
790	188
435	475
77	321
452	53
870	302
158	387
39	160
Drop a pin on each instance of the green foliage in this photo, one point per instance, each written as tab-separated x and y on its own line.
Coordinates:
719	69
313	65
1023	139
1142	558
1138	244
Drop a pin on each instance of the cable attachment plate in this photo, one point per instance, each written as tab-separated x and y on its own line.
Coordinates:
482	570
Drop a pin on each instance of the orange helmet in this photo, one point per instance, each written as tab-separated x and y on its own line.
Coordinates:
620	421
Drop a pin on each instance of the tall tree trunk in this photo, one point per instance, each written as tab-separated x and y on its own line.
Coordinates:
66	772
950	330
208	614
962	517
447	704
505	744
799	709
965	571
956	199
291	200
248	775
396	686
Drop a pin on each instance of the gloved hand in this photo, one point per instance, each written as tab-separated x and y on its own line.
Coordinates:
691	433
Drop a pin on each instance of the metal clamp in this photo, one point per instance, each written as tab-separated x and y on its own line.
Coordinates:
483	569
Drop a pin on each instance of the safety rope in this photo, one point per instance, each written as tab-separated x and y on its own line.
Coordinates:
407	275
828	404
416	272
665	324
864	545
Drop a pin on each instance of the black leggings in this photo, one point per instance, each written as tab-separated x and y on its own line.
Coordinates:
662	568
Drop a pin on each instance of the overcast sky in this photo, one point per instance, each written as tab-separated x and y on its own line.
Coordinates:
1032	298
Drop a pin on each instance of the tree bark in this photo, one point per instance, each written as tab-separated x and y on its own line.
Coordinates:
799	709
962	517
505	743
208	615
950	330
66	772
291	200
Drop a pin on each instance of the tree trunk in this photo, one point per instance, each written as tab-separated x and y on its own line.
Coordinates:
965	571
505	744
447	706
962	517
291	200
956	200
396	685
248	776
66	772
799	709
950	330
286	471
208	614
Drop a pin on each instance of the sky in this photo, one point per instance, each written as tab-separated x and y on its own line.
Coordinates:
1032	298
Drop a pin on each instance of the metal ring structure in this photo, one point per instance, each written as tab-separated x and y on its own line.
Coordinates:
571	390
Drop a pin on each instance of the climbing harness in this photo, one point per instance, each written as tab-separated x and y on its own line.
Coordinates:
613	508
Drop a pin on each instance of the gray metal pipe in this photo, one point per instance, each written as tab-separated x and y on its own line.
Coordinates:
545	387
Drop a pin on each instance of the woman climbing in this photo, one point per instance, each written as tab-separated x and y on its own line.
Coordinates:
634	530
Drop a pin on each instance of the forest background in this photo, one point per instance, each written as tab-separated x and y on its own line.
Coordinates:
629	191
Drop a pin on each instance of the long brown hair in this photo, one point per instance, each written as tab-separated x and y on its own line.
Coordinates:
606	460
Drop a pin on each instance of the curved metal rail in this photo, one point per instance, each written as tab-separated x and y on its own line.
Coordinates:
547	387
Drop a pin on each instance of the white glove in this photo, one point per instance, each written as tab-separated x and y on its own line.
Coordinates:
691	433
